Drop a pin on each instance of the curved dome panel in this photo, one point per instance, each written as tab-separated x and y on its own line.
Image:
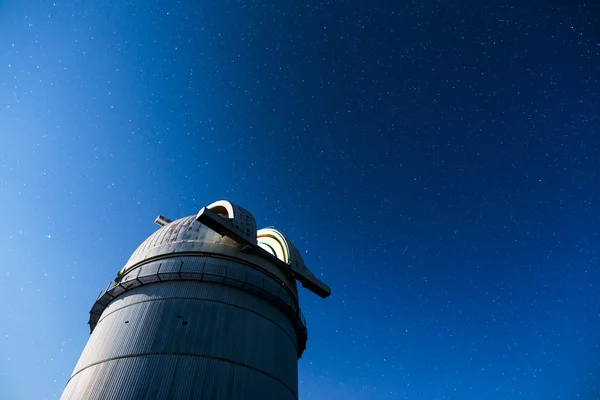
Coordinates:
184	234
276	244
281	247
188	235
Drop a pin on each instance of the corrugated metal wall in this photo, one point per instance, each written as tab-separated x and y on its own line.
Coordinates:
188	340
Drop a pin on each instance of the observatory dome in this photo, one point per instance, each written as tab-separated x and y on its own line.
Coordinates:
188	235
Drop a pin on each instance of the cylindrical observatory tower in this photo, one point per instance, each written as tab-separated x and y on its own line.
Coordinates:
205	308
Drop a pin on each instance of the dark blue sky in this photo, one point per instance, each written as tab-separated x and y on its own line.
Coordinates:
437	163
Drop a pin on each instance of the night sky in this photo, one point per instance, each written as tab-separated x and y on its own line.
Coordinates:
436	163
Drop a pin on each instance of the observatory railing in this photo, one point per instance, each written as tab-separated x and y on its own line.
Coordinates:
207	269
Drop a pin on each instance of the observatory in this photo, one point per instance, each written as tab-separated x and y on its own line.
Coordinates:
205	308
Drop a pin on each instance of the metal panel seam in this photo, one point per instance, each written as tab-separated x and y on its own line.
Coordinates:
187	355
